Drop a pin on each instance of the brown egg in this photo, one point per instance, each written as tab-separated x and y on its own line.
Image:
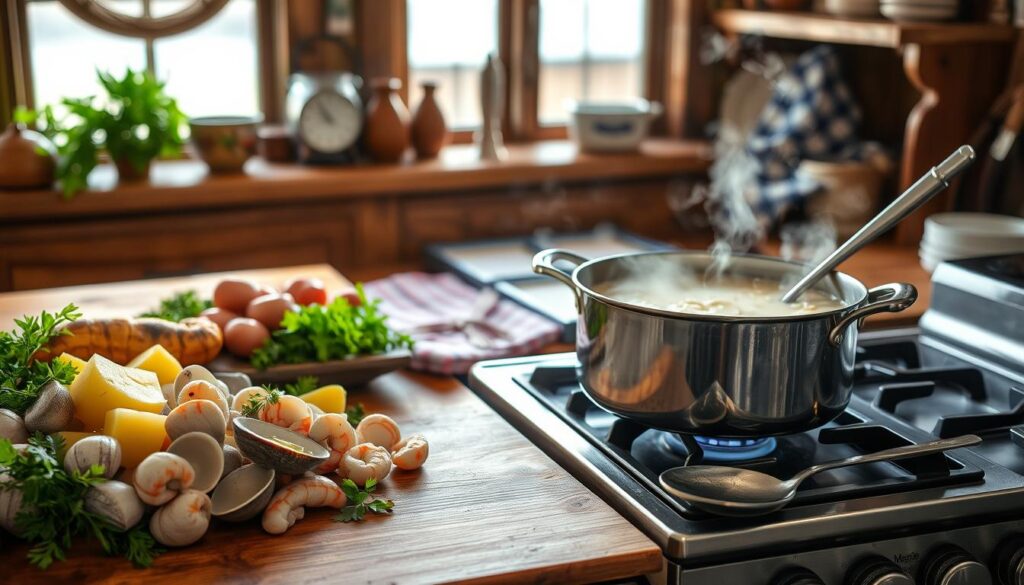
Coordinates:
242	336
219	316
269	309
234	294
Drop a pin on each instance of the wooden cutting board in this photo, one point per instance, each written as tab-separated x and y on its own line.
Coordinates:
488	506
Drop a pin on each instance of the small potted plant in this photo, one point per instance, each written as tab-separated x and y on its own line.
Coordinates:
134	122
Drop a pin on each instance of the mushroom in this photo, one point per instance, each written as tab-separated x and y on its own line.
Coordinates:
94	450
12	427
232	460
117	502
410	452
196	415
161	476
10	505
364	461
203	390
378	429
52	410
183	520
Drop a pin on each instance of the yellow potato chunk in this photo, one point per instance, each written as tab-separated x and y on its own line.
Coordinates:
77	362
139	433
159	361
70	438
103	386
329	398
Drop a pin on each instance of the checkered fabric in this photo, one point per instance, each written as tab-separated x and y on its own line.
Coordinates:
810	116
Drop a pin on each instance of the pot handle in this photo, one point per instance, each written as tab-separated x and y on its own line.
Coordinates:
893	297
544	263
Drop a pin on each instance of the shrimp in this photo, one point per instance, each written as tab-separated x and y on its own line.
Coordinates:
242	398
288	504
161	476
378	429
410	452
289	412
364	461
334	432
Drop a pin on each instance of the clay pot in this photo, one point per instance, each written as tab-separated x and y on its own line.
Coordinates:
429	132
127	172
225	142
387	122
27	159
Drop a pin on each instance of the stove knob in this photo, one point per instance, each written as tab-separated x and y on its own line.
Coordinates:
877	571
797	576
952	565
1009	561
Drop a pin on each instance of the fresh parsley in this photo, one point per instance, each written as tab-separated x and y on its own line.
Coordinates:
180	306
337	331
53	511
21	375
257	402
362	501
303	385
355	413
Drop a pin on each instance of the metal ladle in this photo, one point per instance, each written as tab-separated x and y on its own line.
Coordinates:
733	491
924	189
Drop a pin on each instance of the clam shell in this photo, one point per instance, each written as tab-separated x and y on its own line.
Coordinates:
234	381
255	439
196	415
12	427
232	460
183	520
95	450
243	494
52	410
10	504
203	390
117	502
194	372
204	454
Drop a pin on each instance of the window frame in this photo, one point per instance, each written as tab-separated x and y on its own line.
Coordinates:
271	50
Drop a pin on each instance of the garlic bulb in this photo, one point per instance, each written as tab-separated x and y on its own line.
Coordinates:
12	427
52	410
117	502
95	450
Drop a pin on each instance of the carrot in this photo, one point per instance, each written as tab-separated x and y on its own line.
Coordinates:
191	341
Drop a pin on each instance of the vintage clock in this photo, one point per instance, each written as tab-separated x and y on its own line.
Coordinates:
325	116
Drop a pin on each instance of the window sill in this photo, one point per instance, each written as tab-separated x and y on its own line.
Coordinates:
186	184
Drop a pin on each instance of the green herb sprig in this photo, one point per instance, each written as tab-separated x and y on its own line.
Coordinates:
318	334
362	501
53	510
257	402
303	385
21	375
179	306
355	413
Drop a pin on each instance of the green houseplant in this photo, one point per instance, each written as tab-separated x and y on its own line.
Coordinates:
134	122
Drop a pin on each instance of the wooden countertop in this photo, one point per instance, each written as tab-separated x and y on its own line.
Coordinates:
178	186
488	506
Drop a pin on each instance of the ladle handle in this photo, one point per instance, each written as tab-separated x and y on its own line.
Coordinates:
893	454
921	191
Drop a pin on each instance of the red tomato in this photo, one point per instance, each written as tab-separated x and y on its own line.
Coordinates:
351	296
308	291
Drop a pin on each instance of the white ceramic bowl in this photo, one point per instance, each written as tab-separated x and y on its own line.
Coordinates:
918	13
973	230
855	8
612	127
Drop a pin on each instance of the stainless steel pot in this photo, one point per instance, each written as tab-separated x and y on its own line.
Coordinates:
719	376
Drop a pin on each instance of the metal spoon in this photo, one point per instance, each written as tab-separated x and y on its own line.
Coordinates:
924	189
732	491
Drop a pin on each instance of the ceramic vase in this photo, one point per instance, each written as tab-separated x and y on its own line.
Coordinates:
27	159
428	128
387	122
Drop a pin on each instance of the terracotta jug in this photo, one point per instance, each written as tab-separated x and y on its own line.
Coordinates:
387	122
27	159
429	132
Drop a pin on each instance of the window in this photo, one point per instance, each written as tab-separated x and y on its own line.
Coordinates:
451	51
211	68
589	49
556	51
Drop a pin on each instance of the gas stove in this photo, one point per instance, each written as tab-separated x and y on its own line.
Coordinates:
953	518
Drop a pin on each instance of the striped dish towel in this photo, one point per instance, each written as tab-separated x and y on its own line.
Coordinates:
414	299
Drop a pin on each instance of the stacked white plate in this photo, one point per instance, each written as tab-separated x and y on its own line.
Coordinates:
951	236
854	8
920	10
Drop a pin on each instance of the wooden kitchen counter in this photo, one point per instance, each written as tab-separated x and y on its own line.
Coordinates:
488	506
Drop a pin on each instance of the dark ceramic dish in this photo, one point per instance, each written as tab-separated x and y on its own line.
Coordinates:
256	440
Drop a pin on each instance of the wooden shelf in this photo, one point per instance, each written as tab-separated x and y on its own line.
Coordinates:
809	26
184	185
